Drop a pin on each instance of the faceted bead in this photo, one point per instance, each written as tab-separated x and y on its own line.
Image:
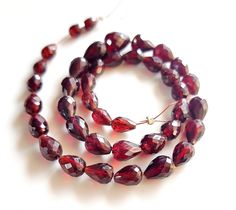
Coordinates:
66	106
160	167
125	150
139	43
95	51
70	86
89	23
88	82
97	144
33	104
77	127
192	83
116	41
38	126
34	83
96	68
194	130
153	143
183	152
78	66
180	111
100	172
179	91
72	165
50	148
198	108
90	100
40	67
132	57
49	51
177	65
121	124
75	31
153	64
101	116
163	52
169	76
171	129
129	175
112	59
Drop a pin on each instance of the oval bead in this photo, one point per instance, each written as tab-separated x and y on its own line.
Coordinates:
33	104
66	106
194	130
192	83
70	86
177	65
171	129
198	108
112	59
34	83
132	57
139	43
90	23
179	91
88	82
153	64
75	31
101	116
40	67
97	67
121	124
49	51
38	126
95	51
90	100
163	52
180	111
169	77
78	66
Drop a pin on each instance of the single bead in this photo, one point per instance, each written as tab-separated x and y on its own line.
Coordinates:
194	130
75	31
163	52
90	100
78	67
125	150
198	108
129	175
153	143
101	116
90	23
169	77
179	91
180	111
49	51
88	82
171	129
70	86
97	144
50	148
38	126
121	124
72	165
95	51
34	84
183	152
66	106
40	67
138	43
112	59
132	57
33	104
177	65
160	167
116	41
77	127
100	172
153	64
97	67
192	83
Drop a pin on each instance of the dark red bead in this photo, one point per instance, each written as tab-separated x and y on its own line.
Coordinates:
95	51
78	67
38	126
169	76
66	106
121	124
100	172
34	83
177	65
40	67
90	100
153	143
112	59
97	144
33	104
179	91
160	167
125	150
194	130
183	152
171	129
70	86
129	175
89	23
72	165
49	51
153	64
77	127
163	52
75	31
50	148
116	41
198	108
139	43
88	82
101	116
132	57
192	83
180	111
96	68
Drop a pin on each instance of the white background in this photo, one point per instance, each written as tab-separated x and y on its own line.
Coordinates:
201	32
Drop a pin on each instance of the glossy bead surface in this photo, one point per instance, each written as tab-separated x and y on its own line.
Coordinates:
38	126
180	111
139	43
95	51
90	100
198	108
179	91
89	23
132	57
66	107
171	129
78	66
70	86
40	67
49	51
163	52
33	104
153	64
194	130
192	83
75	31
97	67
88	82
34	84
101	116
177	65
112	59
121	124
169	76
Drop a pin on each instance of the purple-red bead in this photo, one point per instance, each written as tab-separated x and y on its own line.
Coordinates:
38	126
34	83
90	100
171	129
49	51
194	130
153	64
33	104
78	67
180	111
121	124
95	51
66	107
101	116
163	52
198	108
138	43
40	67
192	83
70	86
